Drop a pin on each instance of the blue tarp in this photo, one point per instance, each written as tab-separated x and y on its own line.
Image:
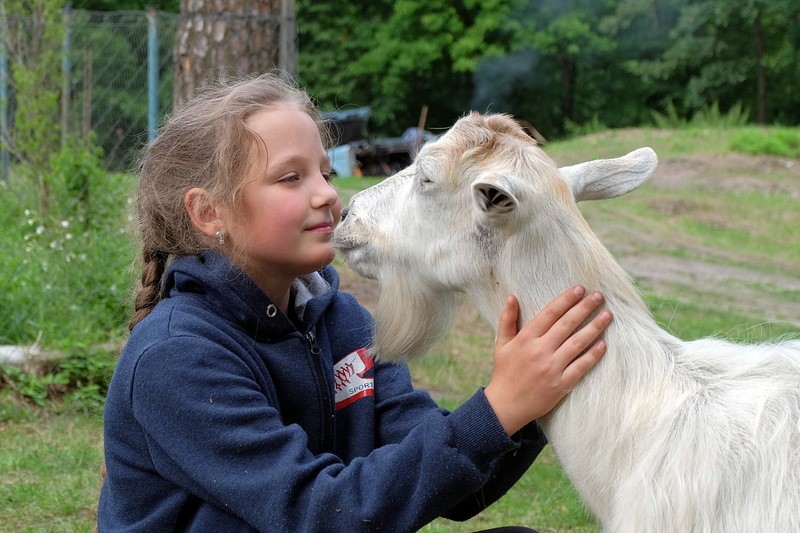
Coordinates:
343	160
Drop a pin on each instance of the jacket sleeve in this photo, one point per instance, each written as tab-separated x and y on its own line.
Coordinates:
504	473
228	445
400	407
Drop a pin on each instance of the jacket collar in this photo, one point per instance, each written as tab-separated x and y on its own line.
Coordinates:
233	295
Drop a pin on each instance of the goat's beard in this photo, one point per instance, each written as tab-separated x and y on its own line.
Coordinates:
410	318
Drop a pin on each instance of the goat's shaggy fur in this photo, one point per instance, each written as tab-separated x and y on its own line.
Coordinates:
662	435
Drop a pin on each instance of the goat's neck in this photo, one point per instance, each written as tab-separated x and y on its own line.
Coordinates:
536	275
639	352
576	256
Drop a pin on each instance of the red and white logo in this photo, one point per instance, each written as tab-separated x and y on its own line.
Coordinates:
349	380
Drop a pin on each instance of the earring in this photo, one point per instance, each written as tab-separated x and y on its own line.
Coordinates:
220	237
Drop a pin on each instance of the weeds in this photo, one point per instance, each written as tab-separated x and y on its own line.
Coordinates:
78	380
66	272
30	386
708	117
784	142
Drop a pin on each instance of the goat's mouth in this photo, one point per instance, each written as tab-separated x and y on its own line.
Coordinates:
355	255
346	245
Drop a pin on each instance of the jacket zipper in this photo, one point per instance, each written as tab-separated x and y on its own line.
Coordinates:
324	394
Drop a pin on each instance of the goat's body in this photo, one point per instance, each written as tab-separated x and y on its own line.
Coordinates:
709	442
662	435
665	435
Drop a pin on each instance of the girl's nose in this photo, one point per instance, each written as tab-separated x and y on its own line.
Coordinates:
326	193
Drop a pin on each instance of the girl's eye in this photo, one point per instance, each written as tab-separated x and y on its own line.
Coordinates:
328	174
289	179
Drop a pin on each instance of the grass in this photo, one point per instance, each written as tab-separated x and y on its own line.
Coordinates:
50	457
348	186
692	320
773	141
747	227
50	463
678	142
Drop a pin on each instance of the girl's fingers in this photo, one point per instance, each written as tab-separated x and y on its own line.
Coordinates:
565	327
581	365
554	311
583	350
507	327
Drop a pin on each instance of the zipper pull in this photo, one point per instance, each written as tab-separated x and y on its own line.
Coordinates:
312	342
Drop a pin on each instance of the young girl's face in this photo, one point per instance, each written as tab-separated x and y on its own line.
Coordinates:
290	207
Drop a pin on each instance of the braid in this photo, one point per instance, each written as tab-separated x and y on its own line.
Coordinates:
153	265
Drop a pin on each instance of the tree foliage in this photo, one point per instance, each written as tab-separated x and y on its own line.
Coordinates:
125	5
398	56
36	72
731	51
555	63
563	65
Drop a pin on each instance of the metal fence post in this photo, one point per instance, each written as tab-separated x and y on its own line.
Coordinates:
66	72
4	159
287	58
152	73
4	154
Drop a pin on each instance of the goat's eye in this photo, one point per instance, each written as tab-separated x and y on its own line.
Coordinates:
422	177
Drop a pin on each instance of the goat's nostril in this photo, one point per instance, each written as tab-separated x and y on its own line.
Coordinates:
344	213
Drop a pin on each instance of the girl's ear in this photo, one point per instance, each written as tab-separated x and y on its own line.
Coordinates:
203	213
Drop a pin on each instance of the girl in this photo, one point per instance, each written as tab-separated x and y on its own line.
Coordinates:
245	399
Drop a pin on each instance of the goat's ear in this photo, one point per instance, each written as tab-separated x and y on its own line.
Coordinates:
492	194
609	178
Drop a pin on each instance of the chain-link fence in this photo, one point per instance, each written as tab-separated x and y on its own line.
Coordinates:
118	77
106	65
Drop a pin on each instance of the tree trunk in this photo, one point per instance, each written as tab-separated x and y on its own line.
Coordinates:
224	39
761	73
569	72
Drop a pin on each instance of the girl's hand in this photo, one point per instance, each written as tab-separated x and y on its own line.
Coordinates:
535	367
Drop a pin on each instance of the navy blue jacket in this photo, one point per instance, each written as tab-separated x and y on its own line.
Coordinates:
225	415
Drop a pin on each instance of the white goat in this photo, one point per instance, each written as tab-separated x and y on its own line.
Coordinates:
662	435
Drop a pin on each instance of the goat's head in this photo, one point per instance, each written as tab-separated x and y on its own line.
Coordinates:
437	228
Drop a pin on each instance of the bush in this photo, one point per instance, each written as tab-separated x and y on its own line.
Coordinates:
708	117
80	379
67	274
784	142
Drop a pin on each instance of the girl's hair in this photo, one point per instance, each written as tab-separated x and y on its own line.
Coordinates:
204	144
